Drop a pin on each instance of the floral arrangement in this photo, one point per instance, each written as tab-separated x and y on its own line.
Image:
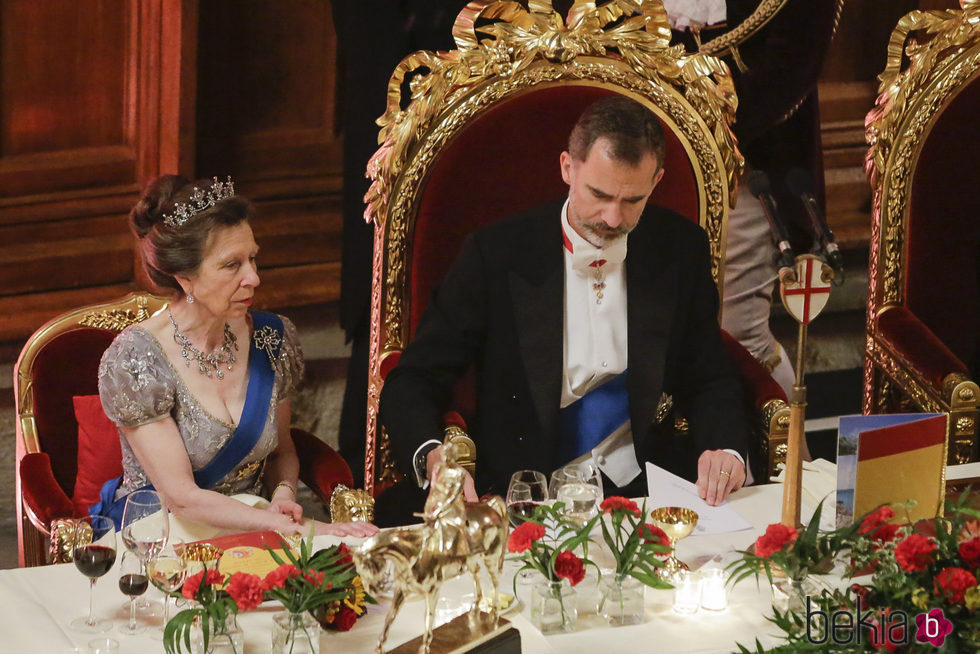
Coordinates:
218	597
341	614
309	582
926	571
547	541
790	553
634	544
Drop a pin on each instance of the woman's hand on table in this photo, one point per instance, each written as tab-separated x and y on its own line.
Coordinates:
358	529
288	508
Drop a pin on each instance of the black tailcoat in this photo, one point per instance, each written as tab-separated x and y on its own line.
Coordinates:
501	308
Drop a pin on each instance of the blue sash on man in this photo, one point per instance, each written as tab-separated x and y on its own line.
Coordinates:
263	352
592	418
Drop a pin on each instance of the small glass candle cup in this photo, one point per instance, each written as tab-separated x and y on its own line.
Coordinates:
714	594
687	592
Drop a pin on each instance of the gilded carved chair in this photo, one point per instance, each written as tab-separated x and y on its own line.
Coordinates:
67	448
923	315
473	135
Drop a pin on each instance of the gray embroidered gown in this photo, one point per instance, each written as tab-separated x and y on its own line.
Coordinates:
139	385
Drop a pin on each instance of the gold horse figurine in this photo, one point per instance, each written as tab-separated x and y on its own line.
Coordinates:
456	536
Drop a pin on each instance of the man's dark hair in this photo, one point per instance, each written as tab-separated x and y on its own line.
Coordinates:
631	129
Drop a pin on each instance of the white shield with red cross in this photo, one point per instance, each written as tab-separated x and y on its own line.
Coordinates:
806	298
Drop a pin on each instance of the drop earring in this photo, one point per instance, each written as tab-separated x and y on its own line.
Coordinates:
190	298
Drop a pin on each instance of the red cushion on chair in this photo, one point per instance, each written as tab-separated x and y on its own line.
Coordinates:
99	452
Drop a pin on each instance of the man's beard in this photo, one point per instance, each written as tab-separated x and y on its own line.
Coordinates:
603	235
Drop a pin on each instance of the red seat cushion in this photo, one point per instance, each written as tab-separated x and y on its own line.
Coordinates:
99	452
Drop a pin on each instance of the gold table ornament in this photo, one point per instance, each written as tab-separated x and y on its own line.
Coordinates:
678	523
455	537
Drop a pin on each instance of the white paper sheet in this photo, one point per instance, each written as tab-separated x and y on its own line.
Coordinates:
667	489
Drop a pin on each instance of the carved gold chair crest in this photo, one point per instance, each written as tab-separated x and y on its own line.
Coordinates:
473	135
924	301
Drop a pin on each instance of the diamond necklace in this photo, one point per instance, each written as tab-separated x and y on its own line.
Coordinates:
207	362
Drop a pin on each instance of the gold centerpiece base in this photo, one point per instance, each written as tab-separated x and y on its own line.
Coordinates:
468	633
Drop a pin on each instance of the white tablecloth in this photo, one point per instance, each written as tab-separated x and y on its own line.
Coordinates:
36	605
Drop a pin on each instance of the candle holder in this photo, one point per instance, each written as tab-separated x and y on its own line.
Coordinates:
687	592
714	594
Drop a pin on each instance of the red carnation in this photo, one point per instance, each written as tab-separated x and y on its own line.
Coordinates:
970	552
953	583
345	619
246	589
617	503
886	533
277	578
348	558
915	553
861	591
521	538
190	587
777	537
655	535
568	566
875	519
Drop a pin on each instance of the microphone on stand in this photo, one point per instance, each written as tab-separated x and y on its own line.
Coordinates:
800	185
761	190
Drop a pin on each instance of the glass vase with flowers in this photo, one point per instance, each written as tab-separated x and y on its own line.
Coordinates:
636	547
303	584
546	543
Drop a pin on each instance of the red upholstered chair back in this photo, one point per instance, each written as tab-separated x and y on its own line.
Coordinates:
58	362
474	135
503	162
923	315
506	161
66	366
941	278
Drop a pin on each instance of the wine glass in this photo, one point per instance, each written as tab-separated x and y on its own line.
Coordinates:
677	522
94	552
167	572
145	527
132	582
579	488
527	489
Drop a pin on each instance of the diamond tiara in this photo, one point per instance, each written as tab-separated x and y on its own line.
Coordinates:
199	201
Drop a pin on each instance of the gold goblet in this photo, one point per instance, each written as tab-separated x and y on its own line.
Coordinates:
677	522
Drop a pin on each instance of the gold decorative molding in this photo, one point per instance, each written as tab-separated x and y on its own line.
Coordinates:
505	49
940	48
932	56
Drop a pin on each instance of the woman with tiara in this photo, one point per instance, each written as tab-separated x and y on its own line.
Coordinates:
200	392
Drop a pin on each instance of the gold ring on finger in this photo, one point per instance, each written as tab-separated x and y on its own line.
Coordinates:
726	473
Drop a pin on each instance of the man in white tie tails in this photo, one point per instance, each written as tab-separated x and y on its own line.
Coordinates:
587	319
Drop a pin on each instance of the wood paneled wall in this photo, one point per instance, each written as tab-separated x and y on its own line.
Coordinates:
848	89
97	97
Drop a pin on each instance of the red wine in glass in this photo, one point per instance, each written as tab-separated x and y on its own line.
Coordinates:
133	584
94	554
94	560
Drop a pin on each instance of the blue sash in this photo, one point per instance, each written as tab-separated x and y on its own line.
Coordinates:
592	418
263	352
